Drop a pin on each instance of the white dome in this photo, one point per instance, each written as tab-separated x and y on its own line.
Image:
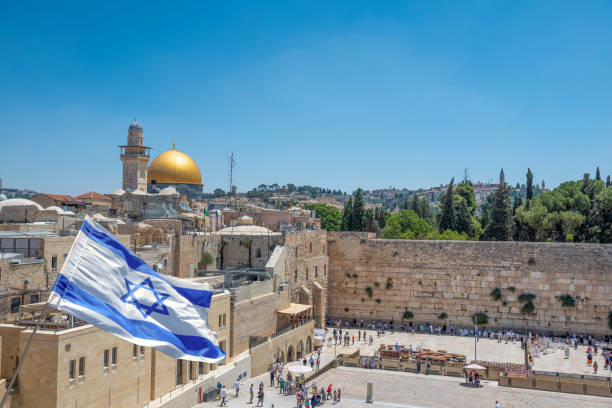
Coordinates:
69	213
169	191
138	192
247	230
19	202
118	192
2	197
55	208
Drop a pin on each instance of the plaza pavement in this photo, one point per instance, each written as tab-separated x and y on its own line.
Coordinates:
409	390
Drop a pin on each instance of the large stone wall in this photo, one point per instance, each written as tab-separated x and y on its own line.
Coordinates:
457	277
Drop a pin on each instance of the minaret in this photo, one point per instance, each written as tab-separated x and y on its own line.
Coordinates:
502	177
135	157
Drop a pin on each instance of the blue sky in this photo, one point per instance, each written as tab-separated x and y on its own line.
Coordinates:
336	94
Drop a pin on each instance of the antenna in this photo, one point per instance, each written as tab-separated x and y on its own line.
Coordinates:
232	165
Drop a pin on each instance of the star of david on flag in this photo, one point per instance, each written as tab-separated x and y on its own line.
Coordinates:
104	284
131	298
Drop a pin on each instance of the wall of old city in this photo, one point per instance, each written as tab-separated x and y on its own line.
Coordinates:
457	278
236	249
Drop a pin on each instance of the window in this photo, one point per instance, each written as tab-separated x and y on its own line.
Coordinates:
54	262
191	371
135	351
258	253
311	247
65	256
224	323
71	367
179	372
220	320
34	298
200	368
316	272
114	356
15	302
306	273
295	276
141	351
81	366
106	353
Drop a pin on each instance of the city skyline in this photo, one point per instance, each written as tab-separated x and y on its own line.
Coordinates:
406	95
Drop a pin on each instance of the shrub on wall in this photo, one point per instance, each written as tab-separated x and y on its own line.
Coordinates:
378	300
511	289
567	301
408	314
377	284
443	316
531	261
348	275
346	309
354	275
528	308
206	259
526	297
480	318
369	291
496	294
389	284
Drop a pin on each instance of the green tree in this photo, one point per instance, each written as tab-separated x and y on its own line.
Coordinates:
608	183
331	217
500	224
597	174
448	220
529	185
465	190
406	224
347	215
357	220
448	235
464	218
371	224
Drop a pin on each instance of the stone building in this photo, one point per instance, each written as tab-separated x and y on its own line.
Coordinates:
135	157
84	366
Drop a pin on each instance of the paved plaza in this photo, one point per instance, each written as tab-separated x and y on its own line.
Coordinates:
487	349
409	390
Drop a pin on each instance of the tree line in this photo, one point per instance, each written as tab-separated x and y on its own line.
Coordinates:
575	211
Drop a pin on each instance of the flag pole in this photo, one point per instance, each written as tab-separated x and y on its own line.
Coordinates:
25	351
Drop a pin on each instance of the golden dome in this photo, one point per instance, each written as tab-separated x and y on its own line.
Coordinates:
173	167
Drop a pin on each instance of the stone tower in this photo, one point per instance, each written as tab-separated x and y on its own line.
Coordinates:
502	177
135	157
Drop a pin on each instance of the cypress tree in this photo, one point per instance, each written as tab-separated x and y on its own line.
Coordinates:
518	201
464	219
500	222
347	215
608	183
448	220
414	205
357	221
529	185
425	211
597	174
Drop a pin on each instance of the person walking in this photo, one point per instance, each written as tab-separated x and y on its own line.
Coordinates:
260	399
595	367
223	395
318	363
497	404
271	378
237	386
251	392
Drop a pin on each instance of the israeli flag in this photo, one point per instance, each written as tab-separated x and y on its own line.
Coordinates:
103	283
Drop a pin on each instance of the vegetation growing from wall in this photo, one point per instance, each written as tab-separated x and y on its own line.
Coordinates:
528	308
389	284
408	315
496	294
526	297
443	316
206	259
480	318
369	291
567	301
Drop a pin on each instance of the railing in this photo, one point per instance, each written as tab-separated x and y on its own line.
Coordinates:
289	328
257	342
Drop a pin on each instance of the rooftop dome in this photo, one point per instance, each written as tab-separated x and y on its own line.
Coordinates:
173	167
2	197
55	208
118	192
135	125
19	202
247	230
169	191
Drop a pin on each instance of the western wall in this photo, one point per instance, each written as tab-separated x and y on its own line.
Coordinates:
381	279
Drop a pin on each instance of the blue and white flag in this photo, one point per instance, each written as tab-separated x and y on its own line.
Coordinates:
103	283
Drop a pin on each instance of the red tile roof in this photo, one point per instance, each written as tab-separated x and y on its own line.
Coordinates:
93	195
63	197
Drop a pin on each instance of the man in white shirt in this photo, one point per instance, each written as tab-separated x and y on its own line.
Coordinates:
223	395
497	404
